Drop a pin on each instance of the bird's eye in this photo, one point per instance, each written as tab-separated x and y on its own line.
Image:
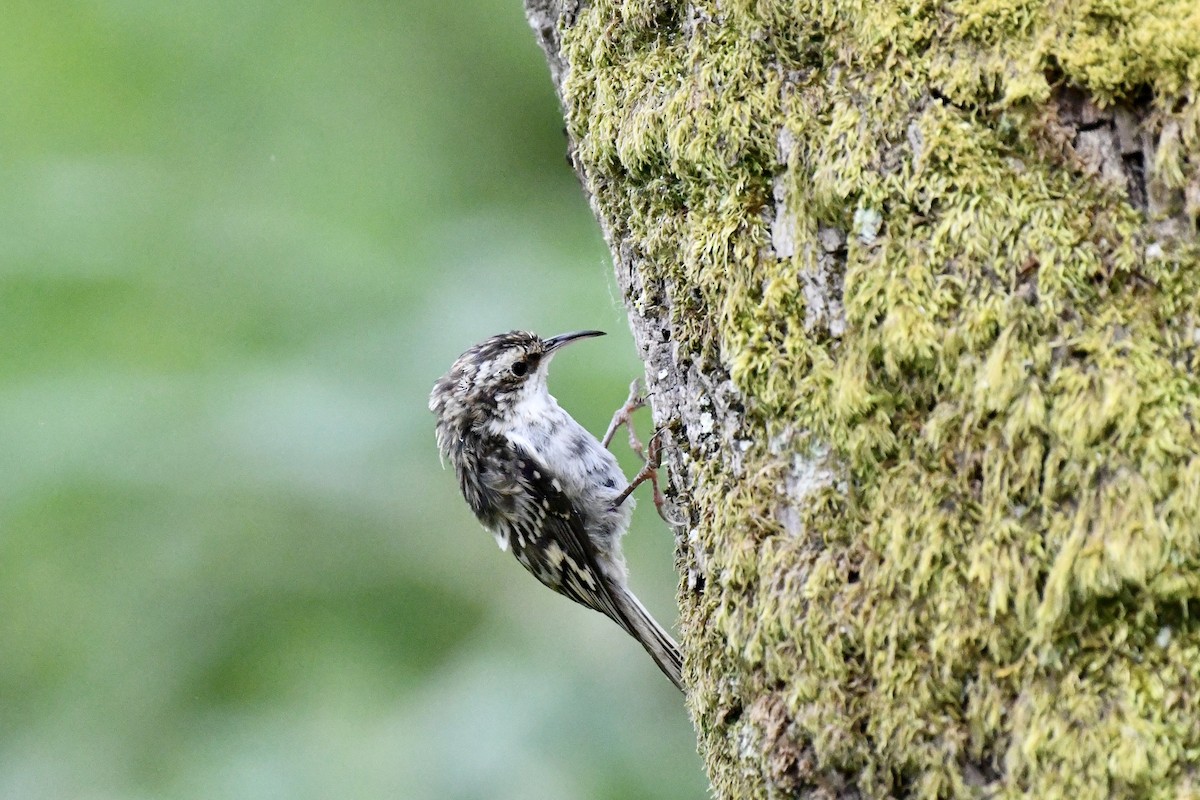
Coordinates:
519	368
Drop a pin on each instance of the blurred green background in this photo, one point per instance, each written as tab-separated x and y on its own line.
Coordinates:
238	242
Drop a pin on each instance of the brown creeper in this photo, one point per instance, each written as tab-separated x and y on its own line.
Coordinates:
543	485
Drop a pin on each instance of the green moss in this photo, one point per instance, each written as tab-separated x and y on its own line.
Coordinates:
1010	575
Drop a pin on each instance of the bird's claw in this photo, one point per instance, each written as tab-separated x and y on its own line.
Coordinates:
649	472
651	453
624	415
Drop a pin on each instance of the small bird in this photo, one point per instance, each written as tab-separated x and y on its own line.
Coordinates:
540	482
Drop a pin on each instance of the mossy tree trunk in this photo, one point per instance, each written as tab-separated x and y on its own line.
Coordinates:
919	284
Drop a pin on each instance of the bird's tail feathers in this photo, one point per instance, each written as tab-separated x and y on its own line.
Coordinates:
653	637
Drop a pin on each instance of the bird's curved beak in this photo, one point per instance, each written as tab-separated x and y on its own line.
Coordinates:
555	342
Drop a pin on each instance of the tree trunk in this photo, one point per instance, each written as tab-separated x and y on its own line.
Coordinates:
918	286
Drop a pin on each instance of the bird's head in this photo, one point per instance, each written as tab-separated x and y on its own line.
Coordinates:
495	374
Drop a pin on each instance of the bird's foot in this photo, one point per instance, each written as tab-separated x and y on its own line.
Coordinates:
649	472
624	416
651	453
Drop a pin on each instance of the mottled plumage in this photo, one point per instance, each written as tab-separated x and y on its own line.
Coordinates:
545	487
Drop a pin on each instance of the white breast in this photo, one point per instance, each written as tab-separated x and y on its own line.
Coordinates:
588	473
